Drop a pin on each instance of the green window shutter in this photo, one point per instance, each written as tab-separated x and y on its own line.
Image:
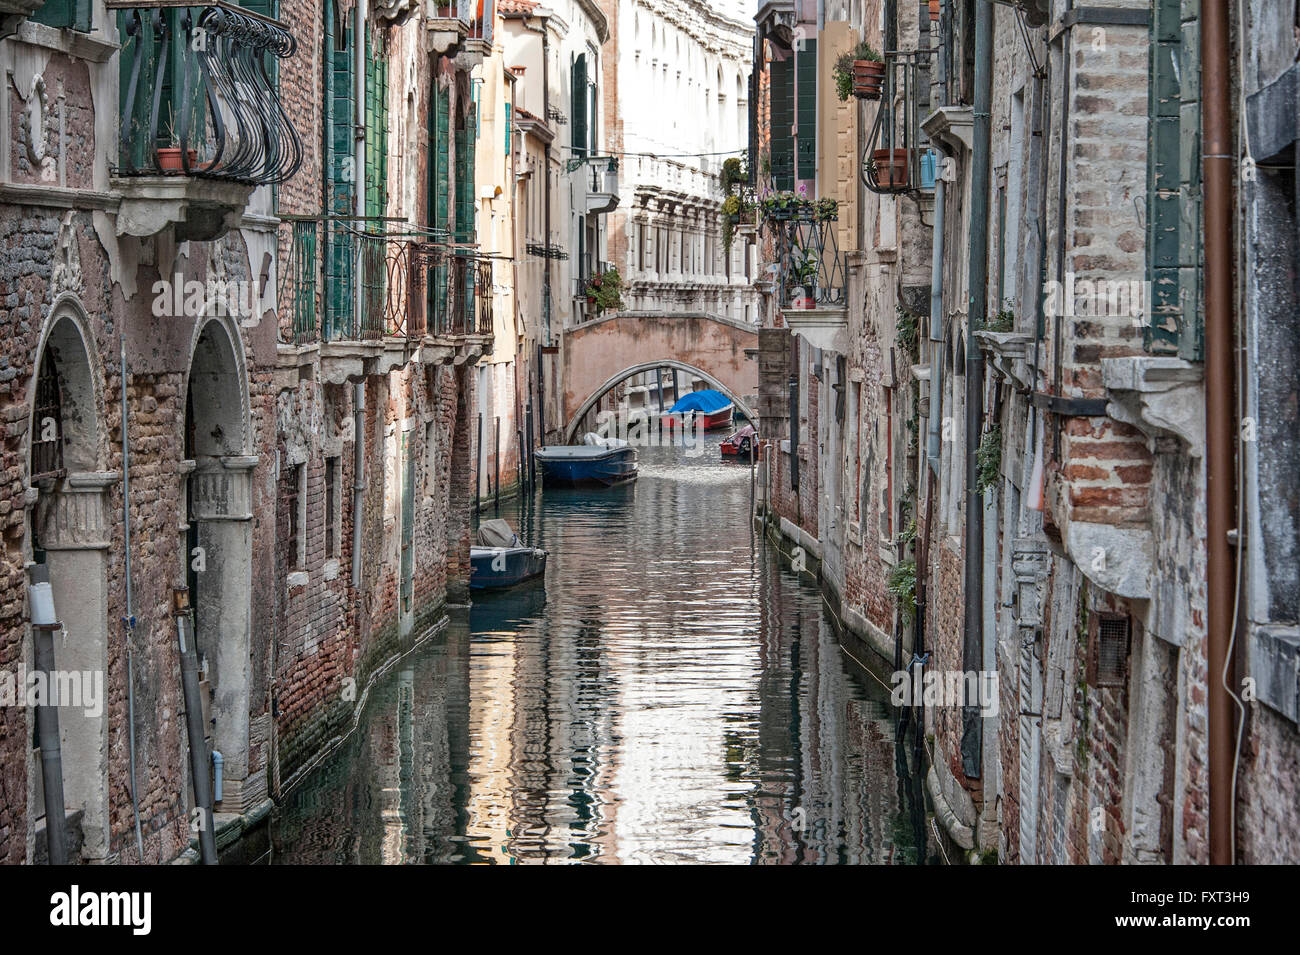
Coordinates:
806	69
1174	323
782	97
340	265
578	100
465	154
593	122
376	130
509	119
71	14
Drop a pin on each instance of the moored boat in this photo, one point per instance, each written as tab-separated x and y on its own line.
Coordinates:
711	408
499	559
599	464
740	444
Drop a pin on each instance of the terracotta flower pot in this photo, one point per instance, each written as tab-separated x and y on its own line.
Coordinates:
934	9
890	168
868	78
169	159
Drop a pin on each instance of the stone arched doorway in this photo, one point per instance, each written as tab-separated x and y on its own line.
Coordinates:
218	546
69	532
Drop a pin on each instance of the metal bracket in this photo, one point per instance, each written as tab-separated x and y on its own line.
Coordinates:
1070	407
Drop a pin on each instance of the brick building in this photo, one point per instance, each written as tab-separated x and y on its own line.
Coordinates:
282	282
1022	334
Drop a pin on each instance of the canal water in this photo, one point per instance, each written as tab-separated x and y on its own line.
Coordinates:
672	693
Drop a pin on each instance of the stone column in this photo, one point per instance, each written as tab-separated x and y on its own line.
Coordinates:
221	505
73	525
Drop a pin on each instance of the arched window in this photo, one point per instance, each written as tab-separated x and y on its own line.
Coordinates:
47	424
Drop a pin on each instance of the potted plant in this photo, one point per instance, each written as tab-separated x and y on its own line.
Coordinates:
868	71
169	157
826	209
889	167
803	279
605	291
843	74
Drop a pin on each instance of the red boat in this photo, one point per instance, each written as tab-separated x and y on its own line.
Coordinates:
738	444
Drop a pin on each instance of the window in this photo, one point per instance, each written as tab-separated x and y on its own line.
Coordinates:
333	513
47	422
294	498
1108	647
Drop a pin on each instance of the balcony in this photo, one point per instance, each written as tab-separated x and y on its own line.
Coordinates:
359	296
202	124
811	278
602	186
451	295
462	29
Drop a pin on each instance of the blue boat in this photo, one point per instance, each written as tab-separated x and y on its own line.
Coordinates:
713	408
499	559
587	465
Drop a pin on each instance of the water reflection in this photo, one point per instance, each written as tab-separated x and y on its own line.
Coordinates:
671	694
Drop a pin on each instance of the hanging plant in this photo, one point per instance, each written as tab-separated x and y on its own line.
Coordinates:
733	174
843	74
731	210
605	291
902	586
988	458
907	326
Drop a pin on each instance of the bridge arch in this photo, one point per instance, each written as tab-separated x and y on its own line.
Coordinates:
598	355
571	427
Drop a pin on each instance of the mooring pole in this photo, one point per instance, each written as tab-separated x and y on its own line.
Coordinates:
201	778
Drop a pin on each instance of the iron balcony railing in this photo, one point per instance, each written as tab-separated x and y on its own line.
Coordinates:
343	279
812	273
200	94
454	287
353	279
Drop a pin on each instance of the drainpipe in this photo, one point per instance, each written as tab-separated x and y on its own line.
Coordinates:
44	626
199	764
358	475
936	329
973	576
129	619
359	388
1220	353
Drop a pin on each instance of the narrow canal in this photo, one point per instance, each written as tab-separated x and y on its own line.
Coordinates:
673	693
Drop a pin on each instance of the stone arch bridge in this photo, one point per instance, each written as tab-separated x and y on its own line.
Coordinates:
599	355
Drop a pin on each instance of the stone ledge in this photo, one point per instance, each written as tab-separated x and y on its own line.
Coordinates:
824	328
1161	397
1275	668
944	814
198	209
951	125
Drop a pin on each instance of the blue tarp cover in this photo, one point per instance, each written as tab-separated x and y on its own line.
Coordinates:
707	401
